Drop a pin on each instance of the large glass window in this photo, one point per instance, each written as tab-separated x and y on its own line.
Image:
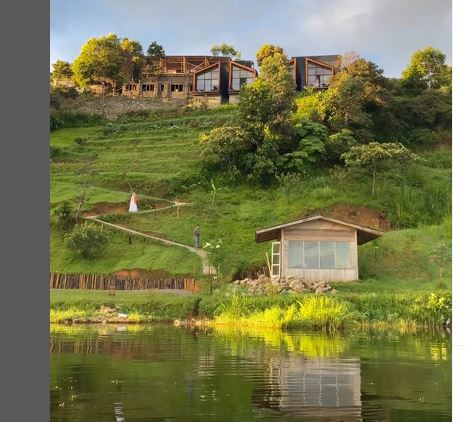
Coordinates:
295	254
319	254
208	81
311	254
318	76
327	255
241	77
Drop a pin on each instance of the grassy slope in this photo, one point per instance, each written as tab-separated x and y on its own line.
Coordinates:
153	155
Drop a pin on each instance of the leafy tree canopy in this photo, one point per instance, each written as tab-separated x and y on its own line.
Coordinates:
267	50
225	50
427	70
155	51
354	95
134	54
61	71
101	61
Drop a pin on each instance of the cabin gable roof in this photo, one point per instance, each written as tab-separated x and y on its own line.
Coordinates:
364	234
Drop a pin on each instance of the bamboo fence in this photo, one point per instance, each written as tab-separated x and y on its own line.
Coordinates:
114	282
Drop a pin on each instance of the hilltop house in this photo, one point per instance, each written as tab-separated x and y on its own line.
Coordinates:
314	71
218	79
316	248
215	79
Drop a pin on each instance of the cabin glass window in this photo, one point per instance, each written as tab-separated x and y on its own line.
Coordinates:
327	255
318	76
311	254
342	255
295	254
176	88
208	81
319	254
240	78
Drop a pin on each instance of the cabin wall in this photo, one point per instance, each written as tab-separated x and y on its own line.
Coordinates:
320	231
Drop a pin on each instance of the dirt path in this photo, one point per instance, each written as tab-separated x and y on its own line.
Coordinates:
206	269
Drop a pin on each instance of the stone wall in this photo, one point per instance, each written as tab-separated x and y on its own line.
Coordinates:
112	107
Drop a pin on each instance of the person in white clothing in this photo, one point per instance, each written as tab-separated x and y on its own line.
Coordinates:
133	203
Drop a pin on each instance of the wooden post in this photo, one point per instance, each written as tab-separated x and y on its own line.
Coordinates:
268	264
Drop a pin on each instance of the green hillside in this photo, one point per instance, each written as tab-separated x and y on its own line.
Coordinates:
160	158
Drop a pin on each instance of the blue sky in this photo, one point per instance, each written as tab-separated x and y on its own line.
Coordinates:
384	31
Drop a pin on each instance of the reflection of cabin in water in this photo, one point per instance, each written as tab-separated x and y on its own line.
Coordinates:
317	388
316	248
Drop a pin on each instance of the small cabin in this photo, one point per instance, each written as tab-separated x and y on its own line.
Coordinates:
316	248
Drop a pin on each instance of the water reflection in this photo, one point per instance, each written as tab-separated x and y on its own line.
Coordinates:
167	373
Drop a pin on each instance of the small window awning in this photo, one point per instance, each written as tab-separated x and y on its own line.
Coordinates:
364	234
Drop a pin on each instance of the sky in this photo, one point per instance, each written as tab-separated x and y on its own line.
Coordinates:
386	32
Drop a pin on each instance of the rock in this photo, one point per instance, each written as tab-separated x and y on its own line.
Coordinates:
318	290
122	315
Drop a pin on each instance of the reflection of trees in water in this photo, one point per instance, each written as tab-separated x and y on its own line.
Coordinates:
313	376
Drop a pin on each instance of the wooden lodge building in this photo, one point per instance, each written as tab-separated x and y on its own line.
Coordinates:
314	71
218	79
316	248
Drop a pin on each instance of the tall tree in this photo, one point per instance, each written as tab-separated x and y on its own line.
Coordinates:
427	70
267	50
155	51
347	58
225	50
355	94
369	156
61	71
274	71
101	61
154	54
134	54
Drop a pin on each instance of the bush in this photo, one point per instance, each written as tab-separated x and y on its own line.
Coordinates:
65	220
59	119
87	240
55	123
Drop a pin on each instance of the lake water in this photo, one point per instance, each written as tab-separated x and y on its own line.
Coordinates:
166	373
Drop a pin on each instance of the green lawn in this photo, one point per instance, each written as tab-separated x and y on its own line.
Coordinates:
157	156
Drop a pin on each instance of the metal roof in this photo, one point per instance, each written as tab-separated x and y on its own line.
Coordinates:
364	234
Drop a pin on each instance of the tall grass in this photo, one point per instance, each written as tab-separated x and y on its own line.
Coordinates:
329	313
313	312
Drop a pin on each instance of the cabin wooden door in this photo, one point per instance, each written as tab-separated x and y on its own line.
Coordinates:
276	259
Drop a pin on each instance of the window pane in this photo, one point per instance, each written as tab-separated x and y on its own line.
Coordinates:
235	84
275	247
327	255
275	259
311	254
275	270
200	85
342	255
295	254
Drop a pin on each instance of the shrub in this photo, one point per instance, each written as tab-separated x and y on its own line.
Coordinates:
65	220
55	123
87	240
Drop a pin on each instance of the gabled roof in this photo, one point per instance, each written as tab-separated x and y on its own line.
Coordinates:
364	234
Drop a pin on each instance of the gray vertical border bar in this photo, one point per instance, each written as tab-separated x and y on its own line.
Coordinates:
24	205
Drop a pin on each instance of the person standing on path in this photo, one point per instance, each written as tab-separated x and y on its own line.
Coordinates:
133	203
197	237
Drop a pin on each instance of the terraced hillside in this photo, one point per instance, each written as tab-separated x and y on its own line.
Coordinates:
159	157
